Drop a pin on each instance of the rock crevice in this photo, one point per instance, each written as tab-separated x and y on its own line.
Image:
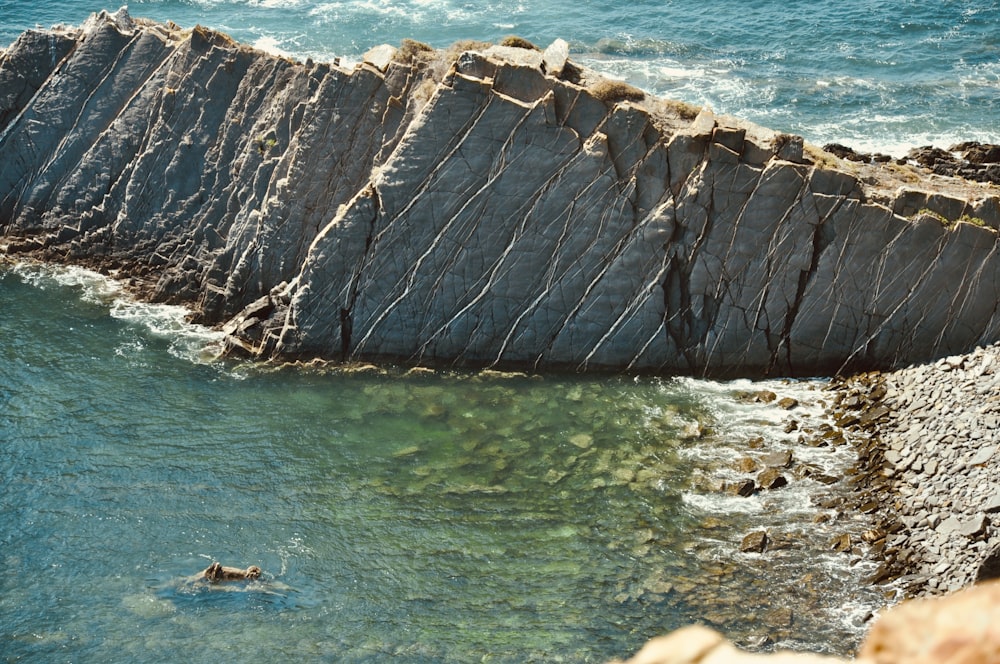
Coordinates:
492	206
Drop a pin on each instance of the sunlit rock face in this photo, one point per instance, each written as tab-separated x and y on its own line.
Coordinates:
491	206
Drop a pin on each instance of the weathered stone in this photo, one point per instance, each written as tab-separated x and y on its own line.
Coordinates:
823	478
983	455
555	56
765	396
398	236
771	478
974	526
755	542
992	504
744	488
841	542
788	403
380	56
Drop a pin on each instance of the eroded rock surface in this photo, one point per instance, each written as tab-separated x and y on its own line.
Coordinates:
491	206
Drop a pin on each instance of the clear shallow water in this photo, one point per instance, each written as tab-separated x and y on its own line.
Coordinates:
428	518
874	74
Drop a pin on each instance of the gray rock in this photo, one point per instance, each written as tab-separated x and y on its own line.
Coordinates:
983	455
595	233
555	56
949	526
992	504
974	526
380	56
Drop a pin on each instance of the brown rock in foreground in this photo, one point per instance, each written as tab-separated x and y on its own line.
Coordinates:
963	628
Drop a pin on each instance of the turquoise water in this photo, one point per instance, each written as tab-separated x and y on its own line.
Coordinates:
422	518
874	74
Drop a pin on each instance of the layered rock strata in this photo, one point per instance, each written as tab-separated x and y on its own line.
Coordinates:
492	206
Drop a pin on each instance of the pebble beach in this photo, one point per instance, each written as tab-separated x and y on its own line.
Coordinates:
928	470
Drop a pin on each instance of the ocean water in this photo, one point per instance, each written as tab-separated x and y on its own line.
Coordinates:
452	517
874	74
413	518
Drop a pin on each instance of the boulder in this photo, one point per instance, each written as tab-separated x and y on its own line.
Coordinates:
555	56
380	56
744	488
782	459
787	403
961	628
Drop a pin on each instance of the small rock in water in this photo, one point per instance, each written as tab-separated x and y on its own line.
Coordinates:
755	542
841	543
744	488
772	478
691	431
788	403
777	459
823	478
582	440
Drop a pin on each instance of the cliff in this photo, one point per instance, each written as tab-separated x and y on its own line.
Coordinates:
485	205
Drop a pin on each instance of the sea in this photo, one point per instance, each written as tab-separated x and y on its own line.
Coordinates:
420	516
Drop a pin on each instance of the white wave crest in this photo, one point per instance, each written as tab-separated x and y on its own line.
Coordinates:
189	341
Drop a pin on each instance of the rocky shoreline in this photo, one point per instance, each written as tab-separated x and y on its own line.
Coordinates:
919	504
927	440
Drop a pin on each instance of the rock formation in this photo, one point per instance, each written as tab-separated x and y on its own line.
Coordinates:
492	206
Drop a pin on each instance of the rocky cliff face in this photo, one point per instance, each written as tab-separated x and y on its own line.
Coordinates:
492	206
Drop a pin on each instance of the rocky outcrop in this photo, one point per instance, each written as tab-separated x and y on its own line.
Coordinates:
493	206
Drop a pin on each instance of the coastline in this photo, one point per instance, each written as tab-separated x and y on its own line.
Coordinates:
922	434
633	233
927	471
926	478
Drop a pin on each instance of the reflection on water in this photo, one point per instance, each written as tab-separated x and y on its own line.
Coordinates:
453	517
